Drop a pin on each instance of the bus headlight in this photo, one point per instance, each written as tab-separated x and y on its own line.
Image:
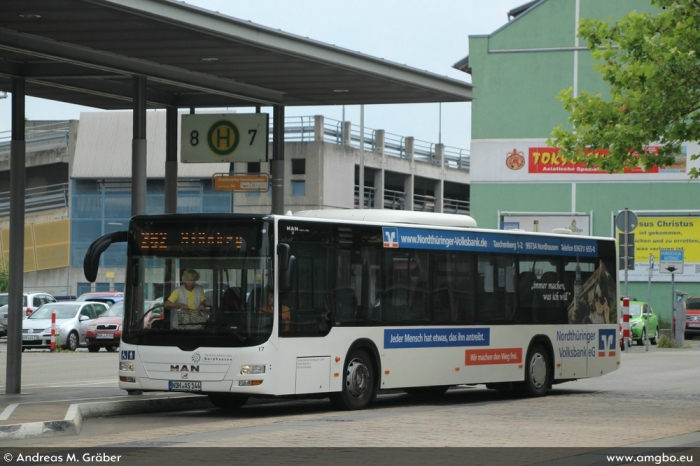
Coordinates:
634	324
253	369
126	366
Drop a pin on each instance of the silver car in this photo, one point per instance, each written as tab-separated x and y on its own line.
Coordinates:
31	301
72	320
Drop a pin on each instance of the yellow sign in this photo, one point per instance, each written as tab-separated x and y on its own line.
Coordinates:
653	234
223	137
259	182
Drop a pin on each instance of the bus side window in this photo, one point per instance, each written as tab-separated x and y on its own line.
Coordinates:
345	305
526	297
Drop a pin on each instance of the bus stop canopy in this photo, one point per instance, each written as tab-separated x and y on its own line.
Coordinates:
87	52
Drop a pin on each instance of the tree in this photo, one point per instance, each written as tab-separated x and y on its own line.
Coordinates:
651	63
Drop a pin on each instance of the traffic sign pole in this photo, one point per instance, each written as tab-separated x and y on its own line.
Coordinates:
626	322
651	274
627	225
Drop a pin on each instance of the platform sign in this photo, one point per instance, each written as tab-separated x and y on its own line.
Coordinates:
671	261
224	137
257	182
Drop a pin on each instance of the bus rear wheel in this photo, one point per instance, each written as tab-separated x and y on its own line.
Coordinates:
358	382
538	377
227	401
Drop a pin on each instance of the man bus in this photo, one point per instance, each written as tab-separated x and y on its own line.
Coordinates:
372	300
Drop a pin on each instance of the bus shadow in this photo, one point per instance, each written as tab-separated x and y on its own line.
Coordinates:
477	395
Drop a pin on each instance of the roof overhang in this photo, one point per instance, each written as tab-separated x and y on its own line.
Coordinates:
87	52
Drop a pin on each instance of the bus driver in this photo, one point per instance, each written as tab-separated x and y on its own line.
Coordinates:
189	295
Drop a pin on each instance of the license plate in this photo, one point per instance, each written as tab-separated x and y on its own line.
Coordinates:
693	324
177	386
104	336
30	337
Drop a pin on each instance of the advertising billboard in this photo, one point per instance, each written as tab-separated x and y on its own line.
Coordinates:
654	234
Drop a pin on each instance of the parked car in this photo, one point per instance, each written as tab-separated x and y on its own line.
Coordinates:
107	297
692	316
643	322
72	321
30	303
106	331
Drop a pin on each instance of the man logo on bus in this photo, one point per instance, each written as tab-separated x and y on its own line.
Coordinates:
606	342
391	237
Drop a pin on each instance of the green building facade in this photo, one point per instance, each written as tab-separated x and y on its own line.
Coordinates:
518	182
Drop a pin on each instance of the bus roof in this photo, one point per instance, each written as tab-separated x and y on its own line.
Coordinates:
391	216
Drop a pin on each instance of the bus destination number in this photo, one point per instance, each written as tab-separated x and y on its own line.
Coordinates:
159	240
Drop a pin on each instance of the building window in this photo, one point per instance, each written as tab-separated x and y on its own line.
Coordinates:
253	167
83	288
298	188
298	166
101	286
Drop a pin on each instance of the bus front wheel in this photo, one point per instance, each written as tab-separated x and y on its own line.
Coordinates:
358	382
537	372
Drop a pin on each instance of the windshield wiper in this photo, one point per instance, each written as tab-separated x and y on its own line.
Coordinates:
231	330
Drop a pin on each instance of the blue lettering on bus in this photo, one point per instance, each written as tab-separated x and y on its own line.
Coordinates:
420	238
432	337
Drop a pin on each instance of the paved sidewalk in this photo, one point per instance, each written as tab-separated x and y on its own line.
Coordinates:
60	411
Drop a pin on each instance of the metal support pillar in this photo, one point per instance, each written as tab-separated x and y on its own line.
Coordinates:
138	149
170	160
277	162
16	269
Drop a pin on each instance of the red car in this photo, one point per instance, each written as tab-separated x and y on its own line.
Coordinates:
106	331
692	317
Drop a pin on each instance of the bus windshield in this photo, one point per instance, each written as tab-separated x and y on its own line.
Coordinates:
199	284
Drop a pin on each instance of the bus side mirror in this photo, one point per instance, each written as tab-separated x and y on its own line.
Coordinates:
91	263
287	267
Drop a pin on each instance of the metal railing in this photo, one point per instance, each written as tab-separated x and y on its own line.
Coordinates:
41	137
53	196
302	129
296	129
395	200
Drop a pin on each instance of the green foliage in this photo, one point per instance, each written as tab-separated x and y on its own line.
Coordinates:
664	324
665	342
651	64
4	279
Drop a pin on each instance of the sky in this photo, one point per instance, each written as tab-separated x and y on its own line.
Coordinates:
430	36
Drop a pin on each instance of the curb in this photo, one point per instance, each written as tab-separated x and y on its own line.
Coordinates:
73	422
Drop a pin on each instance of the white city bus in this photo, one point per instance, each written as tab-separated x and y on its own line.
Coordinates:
366	301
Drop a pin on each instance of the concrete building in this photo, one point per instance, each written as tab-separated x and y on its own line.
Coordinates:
517	181
79	185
